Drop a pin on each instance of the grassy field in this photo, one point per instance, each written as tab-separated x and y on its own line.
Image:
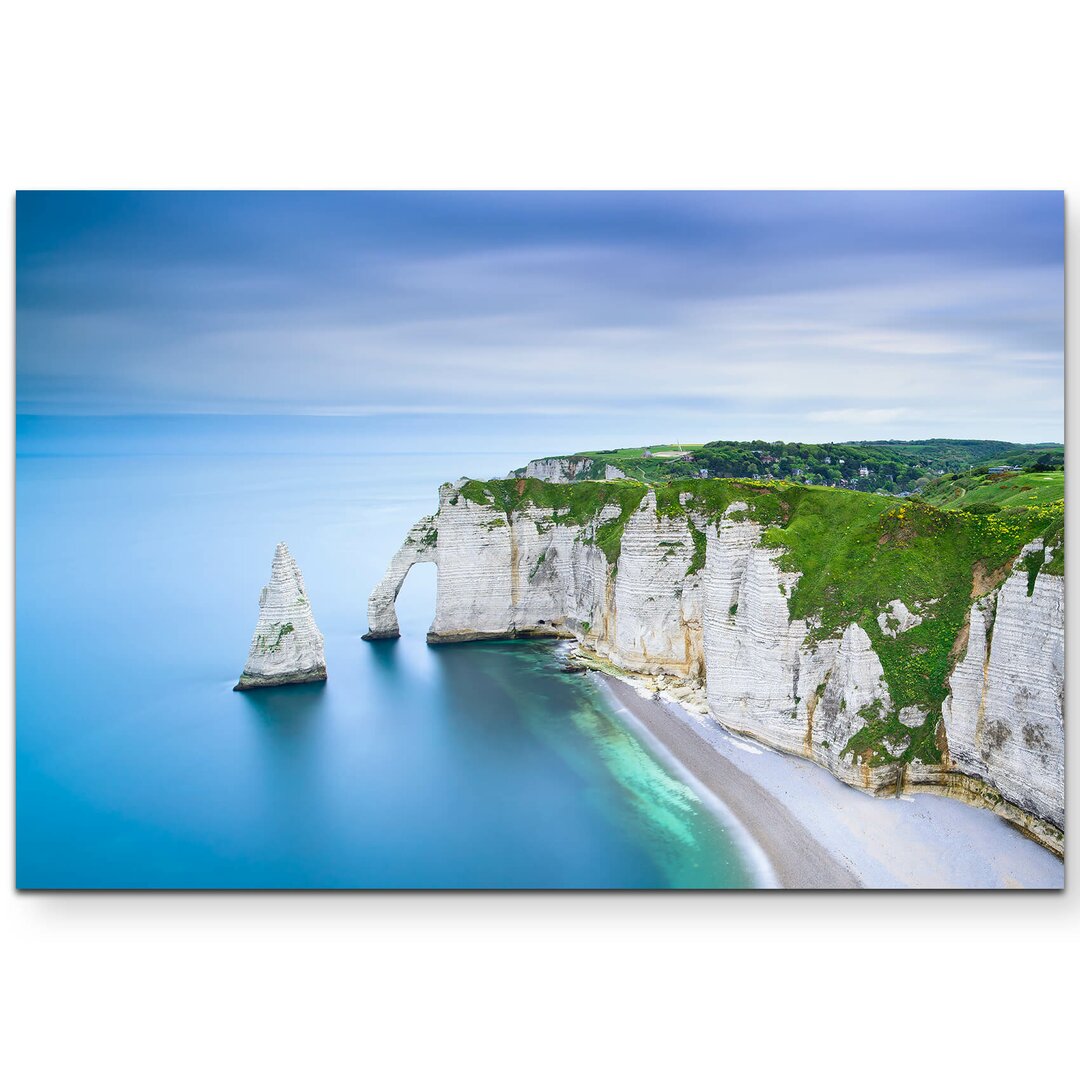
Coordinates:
1018	489
890	466
631	460
631	453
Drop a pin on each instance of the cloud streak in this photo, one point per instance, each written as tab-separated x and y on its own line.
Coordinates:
807	315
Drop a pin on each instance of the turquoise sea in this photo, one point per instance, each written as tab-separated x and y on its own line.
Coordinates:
142	545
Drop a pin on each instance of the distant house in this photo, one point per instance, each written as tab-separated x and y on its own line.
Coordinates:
997	470
703	473
828	461
863	470
646	453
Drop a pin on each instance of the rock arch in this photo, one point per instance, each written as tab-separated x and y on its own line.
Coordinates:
419	546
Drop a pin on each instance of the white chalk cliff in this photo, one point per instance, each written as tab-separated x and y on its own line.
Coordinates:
287	646
1005	714
567	470
702	608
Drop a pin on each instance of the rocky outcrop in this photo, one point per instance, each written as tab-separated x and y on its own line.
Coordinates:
569	470
287	646
699	604
897	619
559	470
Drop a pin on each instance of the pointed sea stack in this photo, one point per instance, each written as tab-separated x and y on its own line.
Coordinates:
287	646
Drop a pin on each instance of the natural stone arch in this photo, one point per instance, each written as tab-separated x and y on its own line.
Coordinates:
420	546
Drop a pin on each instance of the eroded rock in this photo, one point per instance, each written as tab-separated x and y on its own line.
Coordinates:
287	646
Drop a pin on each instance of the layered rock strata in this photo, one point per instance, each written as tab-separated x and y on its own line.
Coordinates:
764	677
568	470
559	470
699	605
1004	715
287	646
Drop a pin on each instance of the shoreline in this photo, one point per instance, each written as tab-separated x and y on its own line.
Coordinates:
817	832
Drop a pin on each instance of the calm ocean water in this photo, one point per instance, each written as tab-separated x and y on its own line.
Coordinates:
141	550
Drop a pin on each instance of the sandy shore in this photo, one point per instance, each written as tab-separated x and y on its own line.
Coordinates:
817	833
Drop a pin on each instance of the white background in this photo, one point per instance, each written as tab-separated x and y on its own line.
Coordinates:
561	94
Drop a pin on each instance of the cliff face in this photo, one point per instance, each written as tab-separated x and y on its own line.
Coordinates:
764	678
569	470
558	470
696	590
1005	713
287	646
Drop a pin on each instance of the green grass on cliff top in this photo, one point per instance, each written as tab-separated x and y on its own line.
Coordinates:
629	453
858	552
981	492
855	553
571	504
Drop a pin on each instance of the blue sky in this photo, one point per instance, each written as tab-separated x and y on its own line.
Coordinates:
590	319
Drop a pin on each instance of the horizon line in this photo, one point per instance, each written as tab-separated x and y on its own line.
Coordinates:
189	414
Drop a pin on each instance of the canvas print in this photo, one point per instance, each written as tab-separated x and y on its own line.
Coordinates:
540	540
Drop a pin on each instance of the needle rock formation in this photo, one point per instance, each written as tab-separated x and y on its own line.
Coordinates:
287	646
